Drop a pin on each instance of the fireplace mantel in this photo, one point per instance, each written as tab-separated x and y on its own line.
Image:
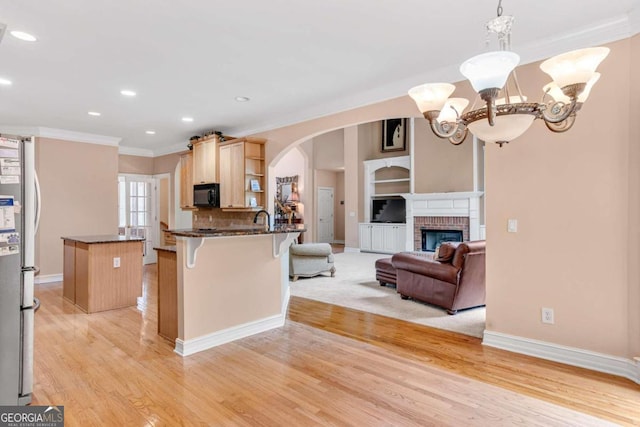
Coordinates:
461	203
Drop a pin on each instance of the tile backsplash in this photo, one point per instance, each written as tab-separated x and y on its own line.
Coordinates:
205	218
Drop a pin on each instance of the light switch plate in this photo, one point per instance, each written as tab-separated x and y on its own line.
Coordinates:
512	226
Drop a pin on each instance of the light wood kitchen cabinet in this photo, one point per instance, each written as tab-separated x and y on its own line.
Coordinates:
186	180
242	174
204	160
231	169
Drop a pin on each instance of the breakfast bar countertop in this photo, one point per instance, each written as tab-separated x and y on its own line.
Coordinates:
237	230
166	248
106	238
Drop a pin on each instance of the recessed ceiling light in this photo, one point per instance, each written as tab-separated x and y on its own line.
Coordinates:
128	92
150	132
242	99
94	113
187	119
23	36
5	82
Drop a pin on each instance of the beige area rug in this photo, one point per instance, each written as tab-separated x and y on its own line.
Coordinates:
355	286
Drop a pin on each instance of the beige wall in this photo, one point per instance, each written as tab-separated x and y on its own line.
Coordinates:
139	165
352	187
339	208
633	254
569	193
441	166
564	189
328	151
79	184
166	163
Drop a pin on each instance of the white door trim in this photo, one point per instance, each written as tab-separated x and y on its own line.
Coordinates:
318	190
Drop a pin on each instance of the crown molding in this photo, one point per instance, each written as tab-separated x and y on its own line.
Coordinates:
175	148
133	151
66	135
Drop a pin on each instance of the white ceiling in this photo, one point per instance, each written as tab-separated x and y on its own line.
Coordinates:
295	59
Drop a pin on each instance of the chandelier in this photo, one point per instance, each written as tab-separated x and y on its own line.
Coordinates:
504	113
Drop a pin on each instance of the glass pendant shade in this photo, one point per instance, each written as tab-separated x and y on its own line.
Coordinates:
557	94
505	128
489	70
431	96
452	109
577	66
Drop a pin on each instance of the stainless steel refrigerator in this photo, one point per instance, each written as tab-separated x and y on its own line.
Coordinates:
18	206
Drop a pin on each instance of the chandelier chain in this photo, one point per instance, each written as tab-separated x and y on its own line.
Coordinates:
499	10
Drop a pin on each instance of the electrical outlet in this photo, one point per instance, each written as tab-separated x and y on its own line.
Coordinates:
512	226
547	315
116	262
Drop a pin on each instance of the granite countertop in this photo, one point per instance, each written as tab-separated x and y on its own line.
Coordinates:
165	248
105	238
237	230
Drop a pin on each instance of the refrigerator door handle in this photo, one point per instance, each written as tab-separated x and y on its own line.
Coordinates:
38	203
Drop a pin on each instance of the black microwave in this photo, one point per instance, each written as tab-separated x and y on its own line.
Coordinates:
206	195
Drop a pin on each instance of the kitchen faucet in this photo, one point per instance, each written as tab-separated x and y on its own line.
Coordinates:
267	220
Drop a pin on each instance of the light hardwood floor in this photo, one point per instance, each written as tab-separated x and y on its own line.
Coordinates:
327	366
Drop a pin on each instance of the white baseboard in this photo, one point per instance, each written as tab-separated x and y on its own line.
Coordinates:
47	278
205	342
348	249
600	362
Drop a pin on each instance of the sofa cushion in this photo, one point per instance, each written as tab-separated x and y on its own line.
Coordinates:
446	251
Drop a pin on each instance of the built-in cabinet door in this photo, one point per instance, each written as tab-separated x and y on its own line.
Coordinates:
186	180
389	238
378	238
237	169
365	237
226	176
204	161
232	180
382	238
400	238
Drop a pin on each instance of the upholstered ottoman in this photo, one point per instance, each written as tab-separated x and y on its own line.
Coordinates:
310	259
385	272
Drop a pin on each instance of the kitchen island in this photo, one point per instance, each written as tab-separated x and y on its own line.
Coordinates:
232	282
102	272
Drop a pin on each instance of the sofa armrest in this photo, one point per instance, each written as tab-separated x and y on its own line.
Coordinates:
425	266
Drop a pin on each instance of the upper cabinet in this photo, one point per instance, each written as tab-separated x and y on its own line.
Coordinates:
242	174
186	180
204	160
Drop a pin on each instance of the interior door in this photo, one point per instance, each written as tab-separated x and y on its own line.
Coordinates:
137	201
325	214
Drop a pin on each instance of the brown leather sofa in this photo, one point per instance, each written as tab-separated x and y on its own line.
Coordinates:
454	280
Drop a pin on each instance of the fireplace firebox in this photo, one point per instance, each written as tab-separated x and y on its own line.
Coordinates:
431	239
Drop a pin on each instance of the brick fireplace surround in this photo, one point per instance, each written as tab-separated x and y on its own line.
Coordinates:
442	211
438	223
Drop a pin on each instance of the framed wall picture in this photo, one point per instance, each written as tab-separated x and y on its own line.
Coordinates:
255	185
394	135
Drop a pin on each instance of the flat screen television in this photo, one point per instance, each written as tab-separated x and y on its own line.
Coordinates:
388	210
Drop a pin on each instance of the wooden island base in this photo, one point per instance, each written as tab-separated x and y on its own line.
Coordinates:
92	282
